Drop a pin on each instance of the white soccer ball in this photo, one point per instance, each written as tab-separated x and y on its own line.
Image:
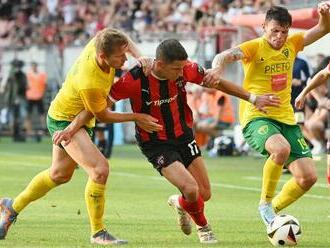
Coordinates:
285	230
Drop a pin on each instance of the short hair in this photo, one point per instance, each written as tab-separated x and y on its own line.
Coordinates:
171	50
279	14
108	39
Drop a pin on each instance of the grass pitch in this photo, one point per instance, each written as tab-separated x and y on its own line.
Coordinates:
136	203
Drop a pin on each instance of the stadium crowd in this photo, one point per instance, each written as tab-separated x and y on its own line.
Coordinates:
66	22
73	22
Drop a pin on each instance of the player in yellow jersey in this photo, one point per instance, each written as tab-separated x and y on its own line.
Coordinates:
320	78
86	87
268	63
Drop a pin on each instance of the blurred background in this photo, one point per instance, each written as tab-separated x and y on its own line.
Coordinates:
40	39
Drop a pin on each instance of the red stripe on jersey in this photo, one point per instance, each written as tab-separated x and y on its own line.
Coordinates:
174	106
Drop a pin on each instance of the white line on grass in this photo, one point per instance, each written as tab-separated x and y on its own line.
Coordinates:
223	185
320	185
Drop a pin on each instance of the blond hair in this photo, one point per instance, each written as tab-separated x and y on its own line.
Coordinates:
108	39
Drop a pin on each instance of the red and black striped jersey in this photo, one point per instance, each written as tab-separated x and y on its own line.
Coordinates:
165	100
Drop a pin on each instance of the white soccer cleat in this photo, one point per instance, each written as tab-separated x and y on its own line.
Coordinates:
183	217
206	235
103	237
267	214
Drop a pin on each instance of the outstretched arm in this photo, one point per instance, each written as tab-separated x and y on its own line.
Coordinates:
320	78
323	26
230	88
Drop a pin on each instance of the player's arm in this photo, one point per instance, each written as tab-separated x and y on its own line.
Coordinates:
221	60
231	88
320	78
323	26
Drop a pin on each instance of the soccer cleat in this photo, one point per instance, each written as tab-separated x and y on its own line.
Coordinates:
183	217
103	237
267	213
7	216
206	235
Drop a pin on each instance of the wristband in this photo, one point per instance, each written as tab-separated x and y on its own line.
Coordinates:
252	98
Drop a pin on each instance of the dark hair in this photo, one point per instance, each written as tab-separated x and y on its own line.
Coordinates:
279	14
171	50
108	39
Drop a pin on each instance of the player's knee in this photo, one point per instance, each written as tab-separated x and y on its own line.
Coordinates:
281	154
101	172
59	177
190	191
307	182
206	194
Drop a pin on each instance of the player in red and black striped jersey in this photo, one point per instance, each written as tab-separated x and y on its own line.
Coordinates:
173	150
319	78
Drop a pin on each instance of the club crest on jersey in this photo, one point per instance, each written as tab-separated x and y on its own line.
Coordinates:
161	160
285	52
179	82
263	130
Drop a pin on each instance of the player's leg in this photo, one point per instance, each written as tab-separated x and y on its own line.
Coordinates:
198	170
264	136
190	200
301	166
60	172
86	154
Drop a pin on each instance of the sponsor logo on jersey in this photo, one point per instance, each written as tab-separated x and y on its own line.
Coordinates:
162	101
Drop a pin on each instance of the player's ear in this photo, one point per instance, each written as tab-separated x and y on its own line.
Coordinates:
159	63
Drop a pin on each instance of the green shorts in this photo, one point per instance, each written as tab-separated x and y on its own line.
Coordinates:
55	125
257	131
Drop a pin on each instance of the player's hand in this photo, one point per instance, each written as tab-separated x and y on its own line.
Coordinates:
299	102
323	7
266	100
212	76
62	137
148	123
146	63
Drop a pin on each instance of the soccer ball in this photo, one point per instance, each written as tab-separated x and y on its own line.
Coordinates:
285	230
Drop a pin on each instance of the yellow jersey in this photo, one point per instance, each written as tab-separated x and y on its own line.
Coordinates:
268	70
86	87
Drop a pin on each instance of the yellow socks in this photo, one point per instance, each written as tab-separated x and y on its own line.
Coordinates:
271	174
94	198
37	188
290	192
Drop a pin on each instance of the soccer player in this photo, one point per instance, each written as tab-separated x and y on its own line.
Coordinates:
319	78
268	63
86	87
173	151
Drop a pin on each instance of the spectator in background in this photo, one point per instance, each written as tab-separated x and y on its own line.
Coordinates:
215	112
15	90
316	123
36	88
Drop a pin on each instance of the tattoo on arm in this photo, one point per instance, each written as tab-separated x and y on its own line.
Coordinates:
235	54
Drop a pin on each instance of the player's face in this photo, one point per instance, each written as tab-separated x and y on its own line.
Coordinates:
118	57
174	70
276	34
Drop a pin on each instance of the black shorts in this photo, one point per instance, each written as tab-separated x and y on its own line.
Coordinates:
162	155
35	103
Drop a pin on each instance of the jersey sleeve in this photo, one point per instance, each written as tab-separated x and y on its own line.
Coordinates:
93	99
193	73
298	41
249	49
123	88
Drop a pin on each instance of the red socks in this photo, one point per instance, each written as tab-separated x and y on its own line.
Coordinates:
194	209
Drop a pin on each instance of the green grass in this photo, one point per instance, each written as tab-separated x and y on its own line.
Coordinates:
136	207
